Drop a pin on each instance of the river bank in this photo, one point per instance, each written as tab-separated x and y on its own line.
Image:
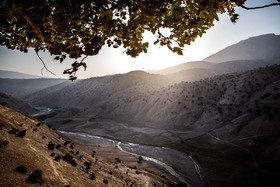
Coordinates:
165	162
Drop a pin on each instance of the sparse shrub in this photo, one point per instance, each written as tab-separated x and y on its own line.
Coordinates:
88	165
92	176
73	163
21	169
22	133
58	146
105	181
69	159
140	159
13	131
3	143
50	146
52	155
1	126
35	129
35	177
118	160
66	142
38	124
43	137
57	158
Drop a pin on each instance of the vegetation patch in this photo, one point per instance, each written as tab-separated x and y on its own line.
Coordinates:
13	131
46	116
92	176
50	146
21	133
69	159
21	169
35	177
4	143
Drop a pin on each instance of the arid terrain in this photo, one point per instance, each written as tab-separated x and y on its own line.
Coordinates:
33	153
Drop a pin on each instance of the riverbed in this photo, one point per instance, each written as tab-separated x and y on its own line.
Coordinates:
178	164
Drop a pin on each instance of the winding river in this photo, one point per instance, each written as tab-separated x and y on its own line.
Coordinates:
177	163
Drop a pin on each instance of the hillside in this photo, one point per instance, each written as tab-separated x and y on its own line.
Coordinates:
187	73
17	75
185	66
95	91
32	153
17	104
224	122
20	88
254	48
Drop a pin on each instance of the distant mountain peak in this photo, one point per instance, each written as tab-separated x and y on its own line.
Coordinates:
260	47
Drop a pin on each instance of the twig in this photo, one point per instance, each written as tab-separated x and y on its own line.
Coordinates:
84	59
44	65
259	7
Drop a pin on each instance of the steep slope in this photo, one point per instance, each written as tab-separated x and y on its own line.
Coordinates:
255	48
20	88
34	154
16	75
17	104
185	104
95	91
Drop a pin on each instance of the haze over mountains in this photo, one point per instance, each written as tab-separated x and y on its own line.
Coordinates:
17	75
223	112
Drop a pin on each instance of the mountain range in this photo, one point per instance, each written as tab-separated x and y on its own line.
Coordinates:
17	75
222	111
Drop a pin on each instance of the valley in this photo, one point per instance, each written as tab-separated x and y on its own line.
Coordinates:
208	123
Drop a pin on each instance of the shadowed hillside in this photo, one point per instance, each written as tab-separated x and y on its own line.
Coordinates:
17	104
19	88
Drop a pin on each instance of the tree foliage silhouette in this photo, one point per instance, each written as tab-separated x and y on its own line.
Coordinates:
76	28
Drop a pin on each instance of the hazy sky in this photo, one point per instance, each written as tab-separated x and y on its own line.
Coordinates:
112	61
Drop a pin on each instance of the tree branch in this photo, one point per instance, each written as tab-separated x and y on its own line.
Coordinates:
40	35
44	65
259	7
